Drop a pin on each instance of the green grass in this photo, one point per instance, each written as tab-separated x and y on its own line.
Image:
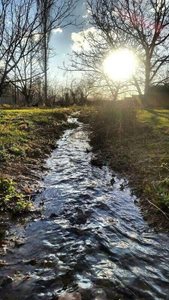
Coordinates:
18	127
26	137
136	144
156	118
157	153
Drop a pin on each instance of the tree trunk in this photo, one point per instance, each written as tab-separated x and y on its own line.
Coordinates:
45	54
137	87
46	73
1	91
27	99
147	81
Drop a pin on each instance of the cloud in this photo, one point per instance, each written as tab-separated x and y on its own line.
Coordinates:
81	39
57	30
37	36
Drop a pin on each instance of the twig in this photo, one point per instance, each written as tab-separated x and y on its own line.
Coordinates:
158	209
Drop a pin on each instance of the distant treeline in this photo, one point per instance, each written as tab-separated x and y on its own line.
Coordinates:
158	96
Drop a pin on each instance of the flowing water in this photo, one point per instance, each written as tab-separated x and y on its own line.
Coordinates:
92	237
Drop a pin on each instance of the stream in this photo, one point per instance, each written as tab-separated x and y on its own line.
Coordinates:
91	238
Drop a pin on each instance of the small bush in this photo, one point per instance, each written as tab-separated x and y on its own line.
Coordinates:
10	199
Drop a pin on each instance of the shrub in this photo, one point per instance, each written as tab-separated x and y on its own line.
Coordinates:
10	199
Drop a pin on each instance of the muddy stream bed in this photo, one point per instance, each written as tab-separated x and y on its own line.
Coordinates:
92	237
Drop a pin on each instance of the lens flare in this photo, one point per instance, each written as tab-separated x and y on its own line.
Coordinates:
120	65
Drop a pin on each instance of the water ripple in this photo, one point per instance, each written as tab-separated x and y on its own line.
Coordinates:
92	238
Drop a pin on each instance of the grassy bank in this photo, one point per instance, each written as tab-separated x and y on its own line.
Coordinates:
136	145
134	142
26	138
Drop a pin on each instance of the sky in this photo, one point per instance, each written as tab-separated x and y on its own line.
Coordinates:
61	44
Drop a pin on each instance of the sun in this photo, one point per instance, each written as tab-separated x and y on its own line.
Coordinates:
120	65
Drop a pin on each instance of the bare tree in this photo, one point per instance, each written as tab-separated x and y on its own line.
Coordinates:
19	23
53	15
142	25
88	56
27	72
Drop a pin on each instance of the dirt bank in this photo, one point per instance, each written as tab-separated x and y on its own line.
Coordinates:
135	144
27	138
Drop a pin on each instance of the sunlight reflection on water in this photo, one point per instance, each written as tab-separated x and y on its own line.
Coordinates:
92	238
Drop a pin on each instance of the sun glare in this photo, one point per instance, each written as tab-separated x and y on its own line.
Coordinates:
120	65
